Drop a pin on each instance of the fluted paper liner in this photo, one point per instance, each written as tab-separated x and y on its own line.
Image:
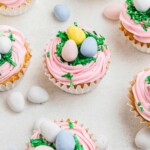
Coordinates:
14	79
76	122
131	102
77	89
4	10
143	47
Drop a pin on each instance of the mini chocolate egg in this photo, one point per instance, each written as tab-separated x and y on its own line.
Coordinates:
112	11
62	12
43	147
69	51
142	6
65	141
89	47
49	130
76	34
142	139
5	44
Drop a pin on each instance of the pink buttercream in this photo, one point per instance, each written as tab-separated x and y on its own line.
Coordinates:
141	91
136	29
13	3
81	74
18	53
82	135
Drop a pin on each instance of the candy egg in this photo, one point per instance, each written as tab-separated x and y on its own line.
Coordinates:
113	11
65	141
43	148
142	6
89	47
62	12
5	44
142	138
49	130
69	51
76	34
103	142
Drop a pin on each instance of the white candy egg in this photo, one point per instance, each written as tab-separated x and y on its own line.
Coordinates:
5	44
142	5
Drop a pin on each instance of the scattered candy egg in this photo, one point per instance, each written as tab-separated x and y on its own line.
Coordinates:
5	44
37	95
62	12
142	138
43	148
69	51
37	123
89	47
142	6
16	101
112	11
49	130
103	142
76	34
65	141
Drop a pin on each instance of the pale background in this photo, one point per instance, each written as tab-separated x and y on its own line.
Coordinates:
104	110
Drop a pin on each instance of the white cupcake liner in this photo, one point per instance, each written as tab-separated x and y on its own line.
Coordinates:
72	90
10	85
16	11
92	137
142	48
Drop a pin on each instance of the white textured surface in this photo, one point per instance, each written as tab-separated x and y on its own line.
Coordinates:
104	110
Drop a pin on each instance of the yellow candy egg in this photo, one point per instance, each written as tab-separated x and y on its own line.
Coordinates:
76	34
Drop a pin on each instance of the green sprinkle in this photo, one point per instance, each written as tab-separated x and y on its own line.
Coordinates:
38	142
70	125
147	79
139	103
142	109
78	146
75	23
138	17
71	84
11	37
48	54
68	76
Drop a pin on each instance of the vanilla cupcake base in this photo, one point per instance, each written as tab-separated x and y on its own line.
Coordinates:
77	89
131	103
16	11
15	79
143	47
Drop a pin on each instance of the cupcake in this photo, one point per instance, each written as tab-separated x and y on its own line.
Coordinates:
15	55
15	7
76	59
61	135
135	24
139	96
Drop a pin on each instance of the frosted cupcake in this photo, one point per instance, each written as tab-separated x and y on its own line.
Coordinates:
61	135
14	56
15	7
139	96
76	59
135	24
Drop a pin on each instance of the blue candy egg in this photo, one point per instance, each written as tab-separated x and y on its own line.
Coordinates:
65	141
62	12
89	47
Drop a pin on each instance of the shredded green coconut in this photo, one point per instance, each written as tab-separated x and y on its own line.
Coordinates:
68	76
147	79
138	17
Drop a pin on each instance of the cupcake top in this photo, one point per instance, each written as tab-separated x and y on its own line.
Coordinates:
13	3
141	92
69	135
135	18
77	56
12	52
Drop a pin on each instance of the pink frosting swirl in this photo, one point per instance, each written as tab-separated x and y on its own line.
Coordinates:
82	135
136	29
13	3
81	74
141	91
18	53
